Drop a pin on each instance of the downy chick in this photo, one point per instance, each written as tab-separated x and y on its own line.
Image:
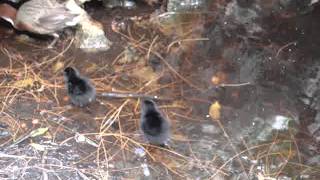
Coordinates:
80	89
155	127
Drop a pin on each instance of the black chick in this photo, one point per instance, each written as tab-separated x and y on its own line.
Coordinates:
80	89
154	126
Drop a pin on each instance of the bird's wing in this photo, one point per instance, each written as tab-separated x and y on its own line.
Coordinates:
56	19
77	91
78	87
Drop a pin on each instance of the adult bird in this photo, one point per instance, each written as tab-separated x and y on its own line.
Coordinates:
45	17
80	89
155	127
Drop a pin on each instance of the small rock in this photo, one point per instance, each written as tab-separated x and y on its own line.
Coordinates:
91	36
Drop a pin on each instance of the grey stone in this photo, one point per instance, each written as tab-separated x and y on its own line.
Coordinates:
91	37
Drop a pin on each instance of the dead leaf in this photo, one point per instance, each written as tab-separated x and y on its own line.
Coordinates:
65	98
24	83
179	137
57	66
38	132
218	78
179	104
24	126
145	74
215	80
92	67
214	111
167	160
130	54
48	135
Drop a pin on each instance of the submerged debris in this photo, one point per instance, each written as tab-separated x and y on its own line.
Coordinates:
187	5
264	130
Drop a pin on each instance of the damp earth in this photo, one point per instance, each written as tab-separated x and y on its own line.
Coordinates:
238	80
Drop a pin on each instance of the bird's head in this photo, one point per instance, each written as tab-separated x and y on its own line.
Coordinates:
147	105
8	13
70	72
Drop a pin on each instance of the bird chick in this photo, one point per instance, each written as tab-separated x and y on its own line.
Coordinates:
155	127
80	89
45	17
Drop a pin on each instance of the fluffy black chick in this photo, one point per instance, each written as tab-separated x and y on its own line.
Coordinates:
155	127
80	89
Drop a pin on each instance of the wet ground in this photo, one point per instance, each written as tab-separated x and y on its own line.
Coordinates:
234	81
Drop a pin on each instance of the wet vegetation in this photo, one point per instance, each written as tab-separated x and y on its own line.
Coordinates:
238	80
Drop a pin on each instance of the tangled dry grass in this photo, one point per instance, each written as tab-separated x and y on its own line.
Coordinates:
33	97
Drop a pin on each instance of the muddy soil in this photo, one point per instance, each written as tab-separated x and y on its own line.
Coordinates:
255	68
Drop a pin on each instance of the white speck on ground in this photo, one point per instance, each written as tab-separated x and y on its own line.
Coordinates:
146	170
140	152
280	123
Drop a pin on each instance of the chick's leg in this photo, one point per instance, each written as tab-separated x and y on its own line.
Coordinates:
54	41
